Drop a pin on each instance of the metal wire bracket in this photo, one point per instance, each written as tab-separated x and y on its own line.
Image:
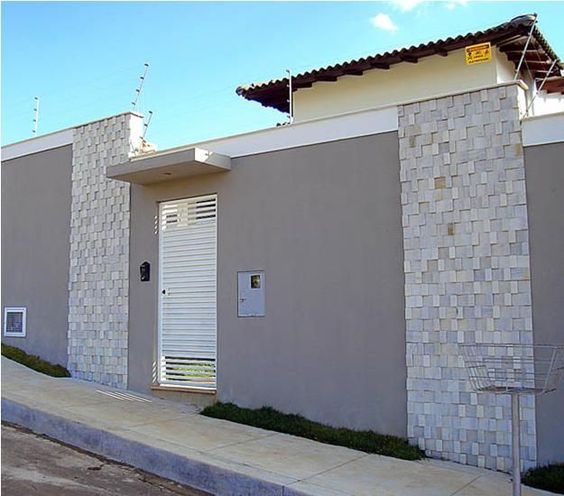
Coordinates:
514	369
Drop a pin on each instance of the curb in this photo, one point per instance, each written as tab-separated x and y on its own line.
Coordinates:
200	475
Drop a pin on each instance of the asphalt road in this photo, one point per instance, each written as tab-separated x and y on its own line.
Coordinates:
35	465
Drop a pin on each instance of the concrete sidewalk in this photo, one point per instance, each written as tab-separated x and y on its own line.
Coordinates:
171	440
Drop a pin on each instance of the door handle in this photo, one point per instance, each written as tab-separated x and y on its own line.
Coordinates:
163	291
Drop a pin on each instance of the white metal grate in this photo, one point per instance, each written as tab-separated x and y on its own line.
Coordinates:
188	310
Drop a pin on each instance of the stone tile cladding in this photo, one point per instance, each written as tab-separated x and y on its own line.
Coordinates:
99	251
467	278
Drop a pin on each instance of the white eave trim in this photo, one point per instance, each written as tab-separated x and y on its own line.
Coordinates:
543	129
39	144
322	130
52	140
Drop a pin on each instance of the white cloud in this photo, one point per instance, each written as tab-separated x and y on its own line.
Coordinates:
406	5
452	4
383	21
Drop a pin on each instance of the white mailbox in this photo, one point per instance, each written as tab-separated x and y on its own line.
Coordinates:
250	293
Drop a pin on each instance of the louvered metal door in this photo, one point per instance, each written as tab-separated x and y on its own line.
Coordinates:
188	307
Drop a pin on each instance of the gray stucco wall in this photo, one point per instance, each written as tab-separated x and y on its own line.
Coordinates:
36	196
544	169
324	223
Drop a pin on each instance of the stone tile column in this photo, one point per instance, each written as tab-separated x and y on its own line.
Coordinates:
467	278
99	251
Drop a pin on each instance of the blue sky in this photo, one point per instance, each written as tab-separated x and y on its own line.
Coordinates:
84	59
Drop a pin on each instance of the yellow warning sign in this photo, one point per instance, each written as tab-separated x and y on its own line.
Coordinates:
475	54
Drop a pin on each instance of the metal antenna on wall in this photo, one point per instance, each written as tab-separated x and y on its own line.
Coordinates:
140	88
35	115
146	124
290	97
539	89
518	69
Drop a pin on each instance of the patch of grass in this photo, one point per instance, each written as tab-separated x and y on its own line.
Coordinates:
549	478
268	418
34	362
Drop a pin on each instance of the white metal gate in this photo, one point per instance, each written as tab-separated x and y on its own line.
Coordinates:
187	282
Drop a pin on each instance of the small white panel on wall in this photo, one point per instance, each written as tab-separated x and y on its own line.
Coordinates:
15	322
250	293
